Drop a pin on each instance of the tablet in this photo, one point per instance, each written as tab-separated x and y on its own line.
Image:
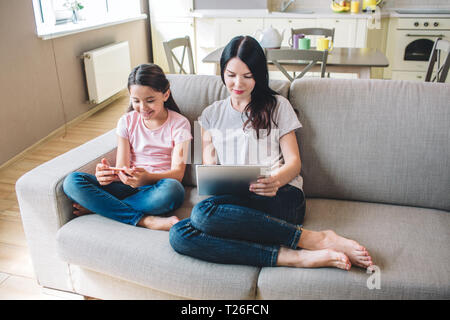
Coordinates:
228	179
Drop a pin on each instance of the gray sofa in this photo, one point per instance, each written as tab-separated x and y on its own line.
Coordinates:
376	167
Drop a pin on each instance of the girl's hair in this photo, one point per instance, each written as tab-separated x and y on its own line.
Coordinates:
151	75
263	101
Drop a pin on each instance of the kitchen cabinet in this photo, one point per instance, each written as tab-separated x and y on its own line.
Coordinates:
164	30
287	24
406	75
344	33
376	38
169	20
170	9
227	28
212	33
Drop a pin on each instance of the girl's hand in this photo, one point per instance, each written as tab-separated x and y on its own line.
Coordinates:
134	177
103	174
266	186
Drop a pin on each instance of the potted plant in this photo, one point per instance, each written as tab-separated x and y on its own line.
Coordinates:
75	6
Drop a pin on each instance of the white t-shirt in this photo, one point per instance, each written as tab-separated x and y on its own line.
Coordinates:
234	145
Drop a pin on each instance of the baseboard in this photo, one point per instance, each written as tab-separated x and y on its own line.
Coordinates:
61	130
63	295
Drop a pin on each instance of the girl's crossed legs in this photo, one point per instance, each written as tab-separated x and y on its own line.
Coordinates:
143	206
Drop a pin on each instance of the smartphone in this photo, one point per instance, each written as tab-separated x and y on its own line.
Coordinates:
117	169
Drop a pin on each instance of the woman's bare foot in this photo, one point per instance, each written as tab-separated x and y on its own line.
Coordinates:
158	223
328	239
79	210
358	255
313	258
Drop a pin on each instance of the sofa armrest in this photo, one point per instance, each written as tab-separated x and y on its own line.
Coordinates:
45	208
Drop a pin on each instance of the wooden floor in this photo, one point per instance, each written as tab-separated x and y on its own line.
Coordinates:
17	280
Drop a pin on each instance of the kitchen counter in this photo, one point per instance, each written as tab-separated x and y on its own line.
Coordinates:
394	14
317	13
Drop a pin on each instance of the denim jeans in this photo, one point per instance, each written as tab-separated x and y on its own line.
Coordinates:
247	230
121	202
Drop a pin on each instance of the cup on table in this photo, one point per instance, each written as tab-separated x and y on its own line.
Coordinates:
324	44
294	40
354	6
304	43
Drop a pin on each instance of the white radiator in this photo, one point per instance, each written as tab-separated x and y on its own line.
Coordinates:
107	69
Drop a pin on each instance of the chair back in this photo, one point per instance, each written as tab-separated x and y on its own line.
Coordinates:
440	54
280	56
314	32
169	47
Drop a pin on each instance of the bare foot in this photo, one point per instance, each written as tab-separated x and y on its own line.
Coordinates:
158	223
79	210
313	258
358	255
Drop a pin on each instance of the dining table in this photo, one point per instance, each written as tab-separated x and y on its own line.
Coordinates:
340	60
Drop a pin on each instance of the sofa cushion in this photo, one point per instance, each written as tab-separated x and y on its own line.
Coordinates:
145	257
375	140
193	93
409	245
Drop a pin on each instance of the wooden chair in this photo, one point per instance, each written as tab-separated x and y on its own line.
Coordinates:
440	47
314	32
293	56
170	45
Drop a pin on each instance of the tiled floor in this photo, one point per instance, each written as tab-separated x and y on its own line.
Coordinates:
17	279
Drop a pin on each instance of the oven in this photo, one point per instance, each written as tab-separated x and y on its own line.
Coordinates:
415	38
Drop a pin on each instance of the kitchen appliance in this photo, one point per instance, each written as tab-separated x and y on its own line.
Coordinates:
412	44
370	5
270	38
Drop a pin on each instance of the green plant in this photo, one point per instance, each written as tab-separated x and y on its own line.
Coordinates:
73	5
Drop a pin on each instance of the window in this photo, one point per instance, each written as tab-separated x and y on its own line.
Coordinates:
60	17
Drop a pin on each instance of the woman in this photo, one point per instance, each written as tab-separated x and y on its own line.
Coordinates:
262	228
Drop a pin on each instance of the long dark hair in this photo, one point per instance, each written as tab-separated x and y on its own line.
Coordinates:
151	75
263	101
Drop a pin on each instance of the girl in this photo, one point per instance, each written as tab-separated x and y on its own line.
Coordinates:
262	228
153	139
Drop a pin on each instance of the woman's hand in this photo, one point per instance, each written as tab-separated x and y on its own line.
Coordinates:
134	177
103	174
266	186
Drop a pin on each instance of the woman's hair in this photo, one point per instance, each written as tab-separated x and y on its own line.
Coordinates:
151	75
263	101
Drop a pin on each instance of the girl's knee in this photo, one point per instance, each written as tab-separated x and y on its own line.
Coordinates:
71	182
175	189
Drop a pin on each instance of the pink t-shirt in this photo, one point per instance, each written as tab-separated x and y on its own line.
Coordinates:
152	149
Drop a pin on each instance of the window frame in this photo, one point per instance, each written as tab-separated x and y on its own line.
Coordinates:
46	31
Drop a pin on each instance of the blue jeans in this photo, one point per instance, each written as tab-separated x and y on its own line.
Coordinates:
121	202
247	230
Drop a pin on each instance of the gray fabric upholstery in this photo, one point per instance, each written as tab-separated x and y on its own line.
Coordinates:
409	245
45	208
144	256
193	93
375	140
